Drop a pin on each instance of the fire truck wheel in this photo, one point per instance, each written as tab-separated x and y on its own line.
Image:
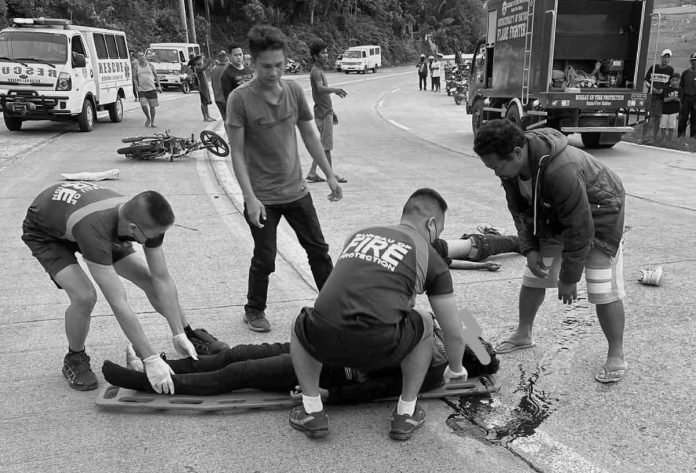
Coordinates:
13	123
476	115
86	118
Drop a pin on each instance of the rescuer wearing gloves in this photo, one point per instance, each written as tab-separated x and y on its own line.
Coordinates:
101	224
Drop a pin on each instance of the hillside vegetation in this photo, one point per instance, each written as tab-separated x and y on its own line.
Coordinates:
403	28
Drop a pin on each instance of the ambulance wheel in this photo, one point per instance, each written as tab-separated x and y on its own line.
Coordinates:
86	118
116	111
13	123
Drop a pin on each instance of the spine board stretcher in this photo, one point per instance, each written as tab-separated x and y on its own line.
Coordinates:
114	397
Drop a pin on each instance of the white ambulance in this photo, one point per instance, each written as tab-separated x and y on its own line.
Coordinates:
361	58
170	60
52	70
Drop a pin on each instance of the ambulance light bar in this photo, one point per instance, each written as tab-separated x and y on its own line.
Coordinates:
41	22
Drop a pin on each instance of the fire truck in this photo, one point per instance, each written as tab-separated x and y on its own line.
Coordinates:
573	65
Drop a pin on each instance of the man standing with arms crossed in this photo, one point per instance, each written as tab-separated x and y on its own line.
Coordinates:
324	115
236	73
687	113
261	118
101	225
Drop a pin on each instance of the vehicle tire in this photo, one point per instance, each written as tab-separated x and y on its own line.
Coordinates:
374	69
12	123
87	117
116	111
185	87
137	149
513	114
591	140
477	116
214	143
364	71
347	72
457	99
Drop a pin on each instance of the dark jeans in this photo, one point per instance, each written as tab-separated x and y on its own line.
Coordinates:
422	82
266	367
687	114
303	219
222	106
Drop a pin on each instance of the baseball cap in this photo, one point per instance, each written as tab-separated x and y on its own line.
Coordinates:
692	57
666	52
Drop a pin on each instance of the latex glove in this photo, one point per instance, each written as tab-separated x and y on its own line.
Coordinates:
183	346
450	375
159	374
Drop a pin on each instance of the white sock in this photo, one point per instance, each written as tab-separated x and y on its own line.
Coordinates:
312	404
404	407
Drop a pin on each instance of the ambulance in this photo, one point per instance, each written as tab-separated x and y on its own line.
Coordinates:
170	61
361	58
53	70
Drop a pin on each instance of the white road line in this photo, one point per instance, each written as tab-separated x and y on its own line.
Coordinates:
398	125
546	454
395	90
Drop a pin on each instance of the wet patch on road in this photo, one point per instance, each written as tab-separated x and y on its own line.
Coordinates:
518	411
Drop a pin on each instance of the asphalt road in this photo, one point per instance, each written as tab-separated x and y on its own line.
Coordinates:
549	416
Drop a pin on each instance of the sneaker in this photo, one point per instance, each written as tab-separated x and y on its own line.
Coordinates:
132	360
314	425
257	321
77	371
205	343
651	276
403	426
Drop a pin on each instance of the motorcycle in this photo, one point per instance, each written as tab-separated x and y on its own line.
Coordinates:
189	81
292	66
160	144
460	90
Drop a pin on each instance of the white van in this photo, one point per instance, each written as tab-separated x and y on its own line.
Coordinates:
52	70
361	58
170	60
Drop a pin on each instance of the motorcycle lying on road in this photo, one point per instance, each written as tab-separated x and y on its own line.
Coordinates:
160	144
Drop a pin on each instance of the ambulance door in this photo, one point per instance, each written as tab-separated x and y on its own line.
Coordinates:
82	72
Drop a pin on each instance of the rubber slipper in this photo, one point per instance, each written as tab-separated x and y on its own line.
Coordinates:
611	376
342	180
315	179
512	347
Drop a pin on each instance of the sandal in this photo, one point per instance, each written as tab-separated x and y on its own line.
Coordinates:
315	178
611	376
340	179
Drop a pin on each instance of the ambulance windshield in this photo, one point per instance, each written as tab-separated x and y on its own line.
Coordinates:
42	47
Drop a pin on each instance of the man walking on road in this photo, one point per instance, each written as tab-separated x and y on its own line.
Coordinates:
324	115
569	212
100	224
147	85
364	316
688	105
261	119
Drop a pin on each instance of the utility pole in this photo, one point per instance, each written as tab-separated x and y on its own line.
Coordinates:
182	18
210	27
192	21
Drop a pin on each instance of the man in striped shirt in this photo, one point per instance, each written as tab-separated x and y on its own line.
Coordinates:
101	224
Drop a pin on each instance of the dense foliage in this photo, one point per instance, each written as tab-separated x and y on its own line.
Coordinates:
402	27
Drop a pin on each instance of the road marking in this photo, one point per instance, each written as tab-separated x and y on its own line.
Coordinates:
395	90
546	454
398	125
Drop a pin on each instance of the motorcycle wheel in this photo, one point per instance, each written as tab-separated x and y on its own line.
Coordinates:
458	99
185	87
214	143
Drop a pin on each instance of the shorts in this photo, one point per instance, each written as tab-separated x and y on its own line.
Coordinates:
325	126
364	348
148	97
669	121
603	273
204	95
55	254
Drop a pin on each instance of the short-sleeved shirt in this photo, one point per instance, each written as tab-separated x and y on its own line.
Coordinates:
216	83
377	276
671	107
232	78
659	75
270	139
81	212
322	102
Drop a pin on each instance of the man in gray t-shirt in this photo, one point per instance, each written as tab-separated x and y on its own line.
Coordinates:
324	115
261	118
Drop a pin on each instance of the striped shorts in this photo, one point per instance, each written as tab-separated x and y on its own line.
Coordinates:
603	273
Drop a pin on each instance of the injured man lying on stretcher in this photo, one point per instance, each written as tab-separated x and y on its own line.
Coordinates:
268	367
